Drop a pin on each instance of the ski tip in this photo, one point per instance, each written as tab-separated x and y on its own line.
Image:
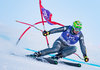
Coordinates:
55	62
78	65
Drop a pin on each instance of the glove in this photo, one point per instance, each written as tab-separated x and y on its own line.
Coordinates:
86	59
45	33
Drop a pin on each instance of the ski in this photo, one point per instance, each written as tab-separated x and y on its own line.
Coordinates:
43	59
51	61
47	60
71	63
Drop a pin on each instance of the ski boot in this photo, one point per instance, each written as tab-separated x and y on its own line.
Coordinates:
56	57
35	55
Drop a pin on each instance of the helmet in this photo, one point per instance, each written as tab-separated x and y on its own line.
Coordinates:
77	26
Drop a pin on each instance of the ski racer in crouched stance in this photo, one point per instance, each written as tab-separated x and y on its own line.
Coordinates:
64	45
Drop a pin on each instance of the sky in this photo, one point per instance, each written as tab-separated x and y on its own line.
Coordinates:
64	12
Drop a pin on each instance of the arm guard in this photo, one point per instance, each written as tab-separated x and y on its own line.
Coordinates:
57	30
82	45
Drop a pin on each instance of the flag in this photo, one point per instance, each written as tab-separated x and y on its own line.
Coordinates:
47	15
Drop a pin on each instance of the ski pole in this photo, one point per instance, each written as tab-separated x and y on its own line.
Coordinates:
78	56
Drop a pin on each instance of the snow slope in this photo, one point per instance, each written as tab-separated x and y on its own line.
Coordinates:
10	62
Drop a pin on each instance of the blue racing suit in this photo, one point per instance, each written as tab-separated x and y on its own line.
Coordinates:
65	44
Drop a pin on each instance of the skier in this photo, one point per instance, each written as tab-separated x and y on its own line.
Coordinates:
64	45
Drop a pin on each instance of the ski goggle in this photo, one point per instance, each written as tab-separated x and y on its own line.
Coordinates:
76	29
